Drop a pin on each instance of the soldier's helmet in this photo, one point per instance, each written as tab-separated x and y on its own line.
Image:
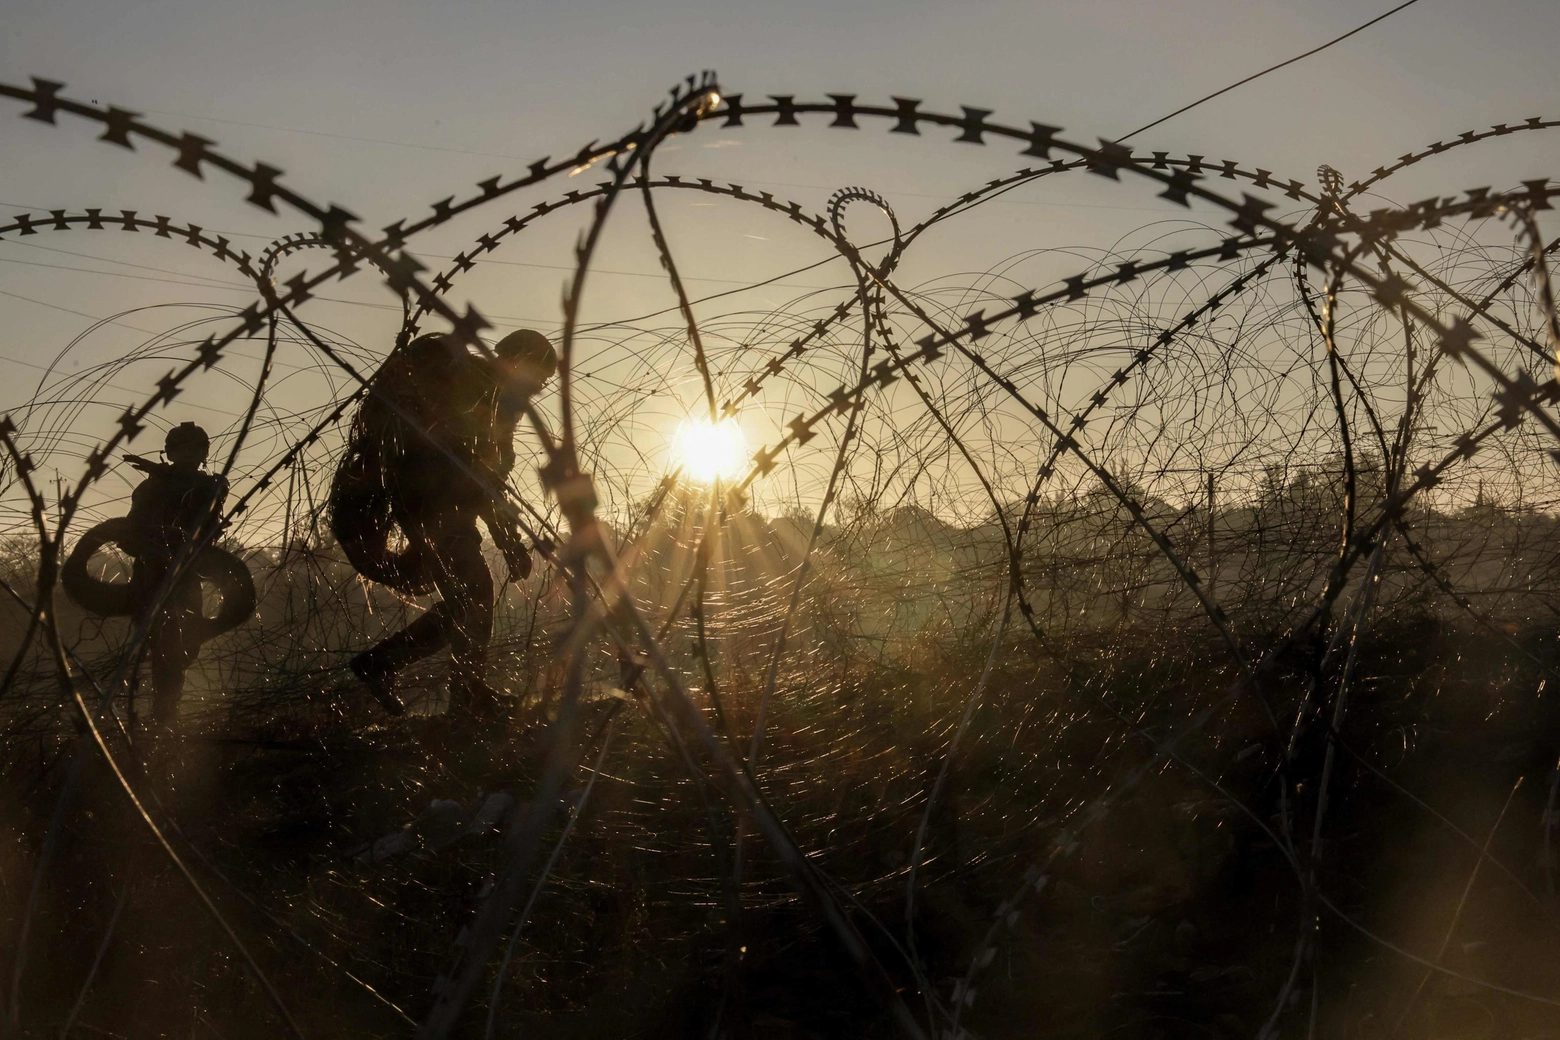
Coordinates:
529	355
187	442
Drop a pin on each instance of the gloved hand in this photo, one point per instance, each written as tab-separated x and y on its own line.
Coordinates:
518	558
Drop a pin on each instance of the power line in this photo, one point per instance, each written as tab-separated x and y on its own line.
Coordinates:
127	274
425	255
743	286
343	137
776	280
1271	68
127	263
81	314
117	386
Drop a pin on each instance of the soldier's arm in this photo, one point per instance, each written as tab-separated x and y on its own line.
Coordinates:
216	497
505	531
509	539
201	509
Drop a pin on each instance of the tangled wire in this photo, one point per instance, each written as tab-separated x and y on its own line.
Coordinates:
1093	618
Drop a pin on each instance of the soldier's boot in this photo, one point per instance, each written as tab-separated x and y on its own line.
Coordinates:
379	665
379	677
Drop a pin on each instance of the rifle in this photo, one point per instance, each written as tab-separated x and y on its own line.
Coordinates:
146	465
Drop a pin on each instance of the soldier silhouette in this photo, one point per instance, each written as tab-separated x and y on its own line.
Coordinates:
172	509
430	448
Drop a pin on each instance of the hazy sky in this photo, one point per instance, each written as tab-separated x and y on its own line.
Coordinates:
387	106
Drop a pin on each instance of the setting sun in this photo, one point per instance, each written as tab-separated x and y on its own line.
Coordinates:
708	451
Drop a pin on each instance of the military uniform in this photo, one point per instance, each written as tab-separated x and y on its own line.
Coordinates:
172	507
441	479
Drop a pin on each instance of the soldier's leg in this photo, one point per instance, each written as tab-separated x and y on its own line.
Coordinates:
412	643
171	650
165	654
466	585
378	665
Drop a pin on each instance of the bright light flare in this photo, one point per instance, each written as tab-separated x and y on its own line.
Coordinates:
708	451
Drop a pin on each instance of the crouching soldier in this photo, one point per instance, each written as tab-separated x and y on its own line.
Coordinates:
430	451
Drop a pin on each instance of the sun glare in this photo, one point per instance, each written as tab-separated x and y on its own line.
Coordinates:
708	451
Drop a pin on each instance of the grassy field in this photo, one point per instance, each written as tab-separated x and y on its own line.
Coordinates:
1103	859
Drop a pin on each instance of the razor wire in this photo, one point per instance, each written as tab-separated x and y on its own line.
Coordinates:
1063	432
